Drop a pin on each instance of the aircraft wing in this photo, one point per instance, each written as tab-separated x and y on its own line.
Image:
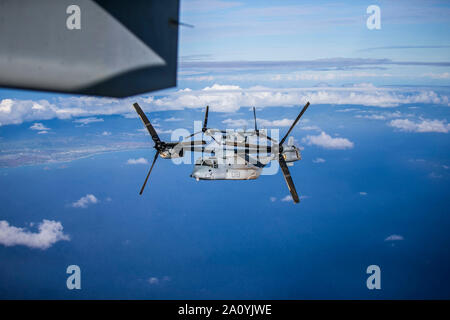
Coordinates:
97	47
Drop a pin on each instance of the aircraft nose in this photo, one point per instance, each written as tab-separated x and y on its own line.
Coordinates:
195	175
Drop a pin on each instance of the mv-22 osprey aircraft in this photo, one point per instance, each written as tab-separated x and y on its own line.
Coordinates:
226	166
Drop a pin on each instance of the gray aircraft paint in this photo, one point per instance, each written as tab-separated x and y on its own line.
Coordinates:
108	48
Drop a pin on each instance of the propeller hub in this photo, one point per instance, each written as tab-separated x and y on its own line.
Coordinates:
160	146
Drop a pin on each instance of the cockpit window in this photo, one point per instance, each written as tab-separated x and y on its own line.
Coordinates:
208	163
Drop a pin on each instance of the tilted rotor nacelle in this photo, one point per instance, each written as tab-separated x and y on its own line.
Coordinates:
291	153
172	152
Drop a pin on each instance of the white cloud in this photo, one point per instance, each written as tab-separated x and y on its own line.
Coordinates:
234	123
172	119
13	111
327	76
394	237
86	121
425	125
153	280
223	98
261	122
347	110
289	198
219	87
362	193
156	280
49	232
273	199
382	116
310	128
326	141
319	160
83	202
161	131
443	75
275	123
106	133
198	78
137	161
39	127
371	116
18	111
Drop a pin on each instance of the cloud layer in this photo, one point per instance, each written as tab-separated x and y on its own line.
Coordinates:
223	98
86	121
49	232
424	125
240	123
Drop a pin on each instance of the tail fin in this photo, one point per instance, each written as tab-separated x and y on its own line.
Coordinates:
291	141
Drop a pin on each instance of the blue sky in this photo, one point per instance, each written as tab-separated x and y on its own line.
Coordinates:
374	175
308	30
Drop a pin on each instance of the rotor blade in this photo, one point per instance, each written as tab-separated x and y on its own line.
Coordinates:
184	145
295	122
254	116
147	123
215	150
261	148
191	135
176	148
205	122
261	134
145	182
288	178
251	160
191	143
199	149
212	131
